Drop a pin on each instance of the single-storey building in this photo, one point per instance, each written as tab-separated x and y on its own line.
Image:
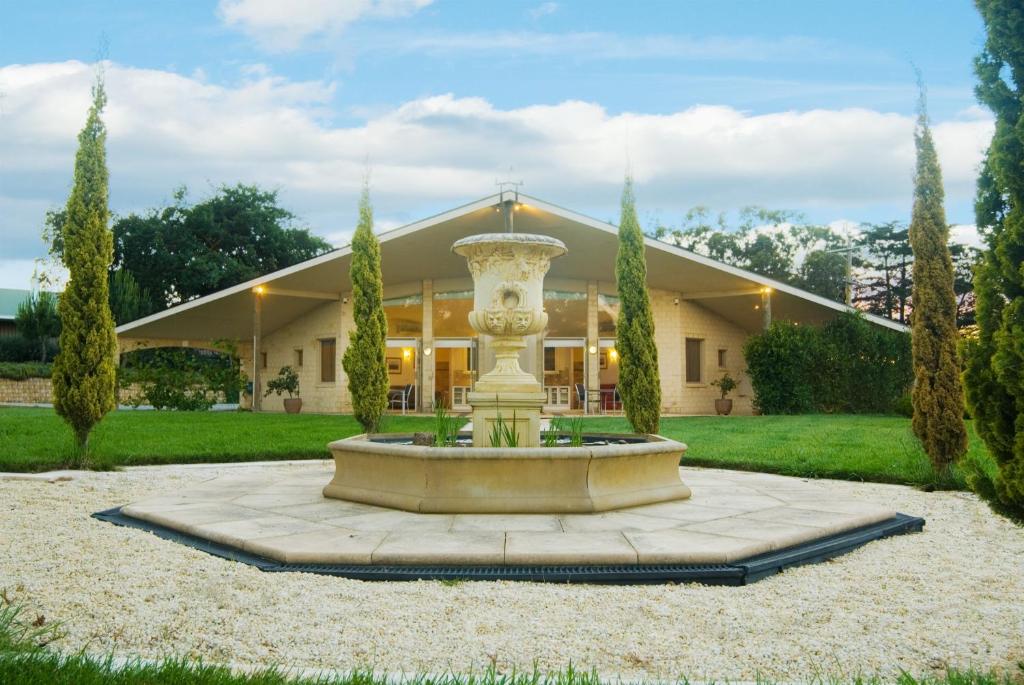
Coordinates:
10	299
301	316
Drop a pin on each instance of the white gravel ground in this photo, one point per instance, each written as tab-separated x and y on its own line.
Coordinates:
953	595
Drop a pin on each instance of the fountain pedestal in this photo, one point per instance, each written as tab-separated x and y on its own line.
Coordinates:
508	304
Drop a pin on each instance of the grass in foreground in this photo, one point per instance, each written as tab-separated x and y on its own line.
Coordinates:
852	447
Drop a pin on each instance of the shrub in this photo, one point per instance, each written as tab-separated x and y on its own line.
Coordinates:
904	406
726	384
19	371
179	379
17	348
781	363
847	365
287	381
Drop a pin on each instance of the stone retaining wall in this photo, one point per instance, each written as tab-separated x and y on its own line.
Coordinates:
40	391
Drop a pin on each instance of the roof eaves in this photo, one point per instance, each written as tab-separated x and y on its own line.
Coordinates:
337	253
763	281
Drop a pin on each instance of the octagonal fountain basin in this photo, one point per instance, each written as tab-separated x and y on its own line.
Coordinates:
607	472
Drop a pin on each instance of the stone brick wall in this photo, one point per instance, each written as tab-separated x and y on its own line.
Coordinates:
40	391
329	320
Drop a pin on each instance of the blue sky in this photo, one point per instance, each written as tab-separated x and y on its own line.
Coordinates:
798	105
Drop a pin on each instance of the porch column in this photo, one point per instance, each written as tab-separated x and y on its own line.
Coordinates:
766	308
257	347
593	367
427	365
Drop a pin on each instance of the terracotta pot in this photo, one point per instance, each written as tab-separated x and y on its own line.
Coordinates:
723	407
292	405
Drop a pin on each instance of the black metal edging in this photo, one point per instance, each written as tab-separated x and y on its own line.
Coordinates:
741	572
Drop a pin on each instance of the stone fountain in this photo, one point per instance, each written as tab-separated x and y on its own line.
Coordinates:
608	473
508	304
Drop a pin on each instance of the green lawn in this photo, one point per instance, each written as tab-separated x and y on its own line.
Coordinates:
36	439
873	448
845	446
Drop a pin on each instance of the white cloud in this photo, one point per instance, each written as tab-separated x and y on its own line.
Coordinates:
282	26
433	153
542	10
966	234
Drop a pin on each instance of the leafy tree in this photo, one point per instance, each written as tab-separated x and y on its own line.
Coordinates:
824	273
181	252
767	242
365	358
938	397
128	302
84	372
995	360
885	282
965	258
639	384
37	320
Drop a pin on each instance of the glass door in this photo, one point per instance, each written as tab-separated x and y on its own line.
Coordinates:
564	374
455	365
402	359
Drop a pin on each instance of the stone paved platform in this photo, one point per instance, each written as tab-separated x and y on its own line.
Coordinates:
731	516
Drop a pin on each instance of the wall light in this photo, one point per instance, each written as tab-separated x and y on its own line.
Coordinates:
259	290
675	301
407	353
592	349
426	351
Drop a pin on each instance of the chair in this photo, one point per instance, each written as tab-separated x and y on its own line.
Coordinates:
401	399
581	395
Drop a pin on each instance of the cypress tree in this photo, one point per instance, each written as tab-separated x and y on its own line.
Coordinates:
84	372
639	385
995	360
364	360
937	396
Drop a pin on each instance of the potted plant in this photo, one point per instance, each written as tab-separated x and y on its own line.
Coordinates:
287	381
726	384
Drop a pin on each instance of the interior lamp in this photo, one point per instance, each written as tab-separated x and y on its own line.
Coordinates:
592	349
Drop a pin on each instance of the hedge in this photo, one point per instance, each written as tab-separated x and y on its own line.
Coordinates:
19	371
847	365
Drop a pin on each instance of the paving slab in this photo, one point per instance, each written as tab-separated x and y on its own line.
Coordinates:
676	546
238	533
470	548
730	516
330	546
506	522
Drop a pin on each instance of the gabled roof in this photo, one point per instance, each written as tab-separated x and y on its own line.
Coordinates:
421	250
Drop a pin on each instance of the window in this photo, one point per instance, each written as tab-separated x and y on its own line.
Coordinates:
327	355
263	360
722	358
694	360
549	359
298	357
